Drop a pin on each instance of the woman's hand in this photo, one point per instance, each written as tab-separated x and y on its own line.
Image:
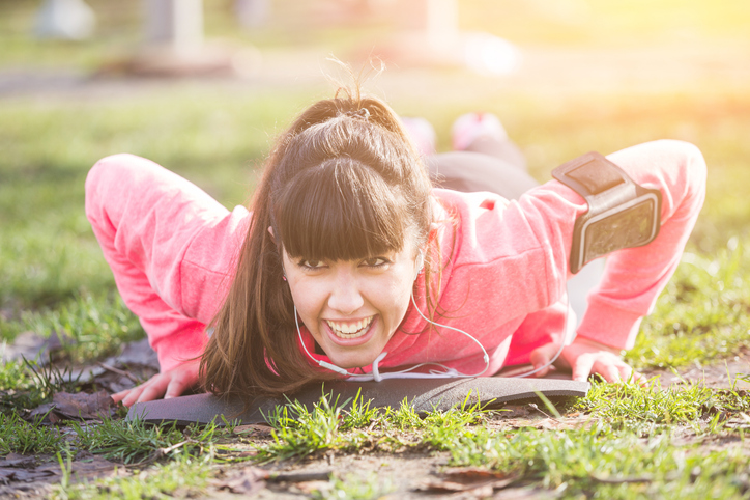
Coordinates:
584	357
169	384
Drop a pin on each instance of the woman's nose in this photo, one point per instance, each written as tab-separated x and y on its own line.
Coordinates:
345	296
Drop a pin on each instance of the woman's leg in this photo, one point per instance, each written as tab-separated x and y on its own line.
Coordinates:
486	159
469	171
483	133
169	245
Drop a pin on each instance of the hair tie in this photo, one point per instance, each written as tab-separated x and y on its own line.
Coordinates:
363	113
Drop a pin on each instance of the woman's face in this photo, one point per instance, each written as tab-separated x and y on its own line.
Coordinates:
352	307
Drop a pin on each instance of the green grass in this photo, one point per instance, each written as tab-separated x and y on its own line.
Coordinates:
94	326
25	384
186	477
630	405
332	425
703	313
606	463
54	278
19	436
135	441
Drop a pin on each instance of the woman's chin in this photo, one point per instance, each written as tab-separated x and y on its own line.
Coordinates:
354	359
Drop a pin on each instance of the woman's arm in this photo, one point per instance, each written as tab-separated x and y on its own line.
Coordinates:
170	247
634	277
515	256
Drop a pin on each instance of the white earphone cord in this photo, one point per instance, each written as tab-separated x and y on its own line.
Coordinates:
447	373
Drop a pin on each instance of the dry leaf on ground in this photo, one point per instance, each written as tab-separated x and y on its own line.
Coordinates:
466	479
77	406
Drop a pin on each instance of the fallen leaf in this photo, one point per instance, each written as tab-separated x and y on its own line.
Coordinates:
467	479
83	406
542	423
18	460
9	475
75	406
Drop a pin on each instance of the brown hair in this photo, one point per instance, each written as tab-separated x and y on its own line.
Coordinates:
344	182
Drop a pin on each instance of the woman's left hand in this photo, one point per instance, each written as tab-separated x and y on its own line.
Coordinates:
584	357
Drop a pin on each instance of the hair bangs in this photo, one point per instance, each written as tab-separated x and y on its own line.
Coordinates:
340	210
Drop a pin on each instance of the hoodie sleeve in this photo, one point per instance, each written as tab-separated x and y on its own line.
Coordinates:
515	255
171	248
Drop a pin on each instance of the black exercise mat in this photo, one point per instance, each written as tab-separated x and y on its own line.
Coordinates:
423	394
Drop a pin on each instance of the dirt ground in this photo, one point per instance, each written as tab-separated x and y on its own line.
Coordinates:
407	473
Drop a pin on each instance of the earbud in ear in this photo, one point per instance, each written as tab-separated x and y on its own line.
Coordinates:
418	264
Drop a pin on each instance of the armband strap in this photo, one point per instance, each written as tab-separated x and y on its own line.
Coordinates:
621	213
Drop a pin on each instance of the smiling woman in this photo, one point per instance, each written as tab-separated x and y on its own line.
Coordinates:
349	261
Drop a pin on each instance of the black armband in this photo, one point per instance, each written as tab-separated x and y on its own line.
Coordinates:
621	213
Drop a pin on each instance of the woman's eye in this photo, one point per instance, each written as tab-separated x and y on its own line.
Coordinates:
311	263
375	262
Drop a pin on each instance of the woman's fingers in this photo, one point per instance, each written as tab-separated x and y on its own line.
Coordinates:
611	368
140	393
609	371
538	359
169	384
639	378
118	396
582	367
154	388
542	356
177	386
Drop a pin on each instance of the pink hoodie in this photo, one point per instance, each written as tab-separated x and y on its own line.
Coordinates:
172	250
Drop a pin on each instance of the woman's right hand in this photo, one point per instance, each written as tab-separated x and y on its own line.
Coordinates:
168	384
586	357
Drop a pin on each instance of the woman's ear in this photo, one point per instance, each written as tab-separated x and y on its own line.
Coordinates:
270	231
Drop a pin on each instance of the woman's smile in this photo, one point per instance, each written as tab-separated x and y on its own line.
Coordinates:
350	330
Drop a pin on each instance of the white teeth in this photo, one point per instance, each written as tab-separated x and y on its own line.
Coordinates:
350	330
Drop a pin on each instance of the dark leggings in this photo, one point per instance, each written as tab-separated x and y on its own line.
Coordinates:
498	166
488	164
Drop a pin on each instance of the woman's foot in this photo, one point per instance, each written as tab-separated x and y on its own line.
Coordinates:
421	133
471	126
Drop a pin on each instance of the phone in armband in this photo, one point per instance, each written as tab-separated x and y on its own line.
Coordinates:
621	214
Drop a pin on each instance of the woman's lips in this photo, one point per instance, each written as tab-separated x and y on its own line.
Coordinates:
354	333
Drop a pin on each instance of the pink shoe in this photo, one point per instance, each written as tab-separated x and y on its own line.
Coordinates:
467	128
421	133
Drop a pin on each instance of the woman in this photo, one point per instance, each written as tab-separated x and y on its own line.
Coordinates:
351	262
